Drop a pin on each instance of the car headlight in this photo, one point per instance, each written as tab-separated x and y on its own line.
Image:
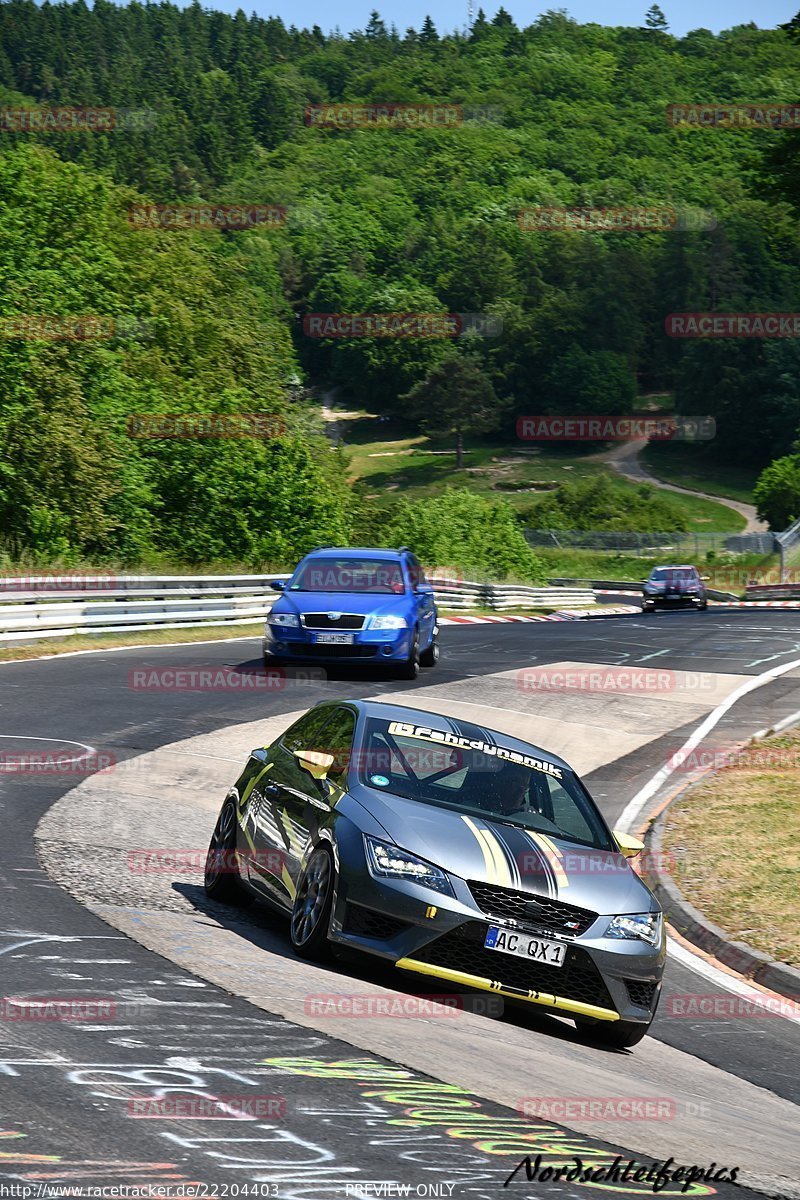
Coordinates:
644	926
388	862
283	619
388	622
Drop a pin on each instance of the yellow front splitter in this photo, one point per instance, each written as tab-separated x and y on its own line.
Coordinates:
490	985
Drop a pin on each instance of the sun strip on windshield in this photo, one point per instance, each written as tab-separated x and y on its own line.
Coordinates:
425	734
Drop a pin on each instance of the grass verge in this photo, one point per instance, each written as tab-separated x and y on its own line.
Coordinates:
696	468
735	839
406	463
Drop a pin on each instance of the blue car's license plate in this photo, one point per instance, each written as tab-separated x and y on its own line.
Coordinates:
523	945
335	639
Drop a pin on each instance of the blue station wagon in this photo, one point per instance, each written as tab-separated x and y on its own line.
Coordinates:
358	606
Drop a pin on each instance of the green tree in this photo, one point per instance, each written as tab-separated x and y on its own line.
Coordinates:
655	19
455	398
590	381
777	492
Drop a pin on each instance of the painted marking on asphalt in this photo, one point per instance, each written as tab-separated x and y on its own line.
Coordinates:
28	737
634	808
655	654
771	657
731	983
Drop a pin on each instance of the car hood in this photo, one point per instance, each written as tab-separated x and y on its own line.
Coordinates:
342	602
493	852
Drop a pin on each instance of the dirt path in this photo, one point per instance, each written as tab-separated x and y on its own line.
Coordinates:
624	458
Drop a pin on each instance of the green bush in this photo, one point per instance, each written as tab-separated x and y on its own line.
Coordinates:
461	531
598	502
777	492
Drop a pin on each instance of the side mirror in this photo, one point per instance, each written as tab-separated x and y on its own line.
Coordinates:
629	846
315	762
277	584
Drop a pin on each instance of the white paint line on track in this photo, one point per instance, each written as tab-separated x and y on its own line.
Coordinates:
731	983
29	737
634	808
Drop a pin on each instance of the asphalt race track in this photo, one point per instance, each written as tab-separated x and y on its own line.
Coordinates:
338	1107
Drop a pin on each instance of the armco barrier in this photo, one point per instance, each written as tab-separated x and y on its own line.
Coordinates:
628	585
772	591
30	609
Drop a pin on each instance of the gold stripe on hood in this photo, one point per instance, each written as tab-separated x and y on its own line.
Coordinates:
498	853
488	859
553	856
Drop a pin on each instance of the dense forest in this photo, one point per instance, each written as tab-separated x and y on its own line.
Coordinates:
213	110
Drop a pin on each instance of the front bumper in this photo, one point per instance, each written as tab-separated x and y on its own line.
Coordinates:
676	600
441	936
300	644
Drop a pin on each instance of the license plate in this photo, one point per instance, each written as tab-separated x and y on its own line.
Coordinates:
535	949
336	639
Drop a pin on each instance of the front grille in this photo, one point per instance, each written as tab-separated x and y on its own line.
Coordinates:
640	993
304	650
462	949
323	621
538	912
367	923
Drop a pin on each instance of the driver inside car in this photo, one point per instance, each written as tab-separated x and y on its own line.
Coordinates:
507	790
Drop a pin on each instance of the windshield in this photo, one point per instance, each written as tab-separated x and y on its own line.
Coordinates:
671	575
371	575
480	779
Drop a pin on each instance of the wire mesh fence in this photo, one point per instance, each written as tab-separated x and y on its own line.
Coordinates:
646	544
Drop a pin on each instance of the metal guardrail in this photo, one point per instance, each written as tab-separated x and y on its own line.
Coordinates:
772	591
630	585
502	596
29	608
622	585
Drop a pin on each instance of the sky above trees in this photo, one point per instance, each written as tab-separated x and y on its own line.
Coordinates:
682	15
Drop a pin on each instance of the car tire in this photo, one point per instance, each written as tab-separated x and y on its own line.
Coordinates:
410	668
430	656
704	606
618	1035
311	912
220	881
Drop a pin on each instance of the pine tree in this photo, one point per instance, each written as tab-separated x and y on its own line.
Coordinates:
655	19
428	35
